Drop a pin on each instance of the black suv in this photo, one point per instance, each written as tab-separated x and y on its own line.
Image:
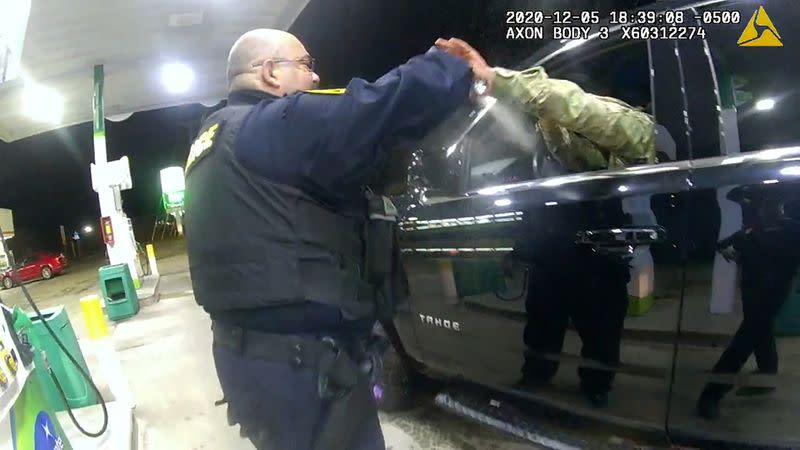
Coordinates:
634	296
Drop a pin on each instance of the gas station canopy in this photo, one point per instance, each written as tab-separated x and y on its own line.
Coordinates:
155	54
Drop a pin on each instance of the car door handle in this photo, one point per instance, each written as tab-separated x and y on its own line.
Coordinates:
621	240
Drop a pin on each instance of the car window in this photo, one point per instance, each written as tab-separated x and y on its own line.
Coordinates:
509	145
501	148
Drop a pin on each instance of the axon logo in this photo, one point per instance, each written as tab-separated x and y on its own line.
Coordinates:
441	323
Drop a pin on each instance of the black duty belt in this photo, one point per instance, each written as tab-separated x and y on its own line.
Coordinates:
297	350
343	384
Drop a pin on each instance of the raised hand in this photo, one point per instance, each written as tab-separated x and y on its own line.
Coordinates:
457	47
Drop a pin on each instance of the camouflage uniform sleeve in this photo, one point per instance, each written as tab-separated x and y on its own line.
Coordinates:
610	124
576	153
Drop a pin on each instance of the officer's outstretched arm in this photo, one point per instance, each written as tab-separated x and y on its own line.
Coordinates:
607	122
404	104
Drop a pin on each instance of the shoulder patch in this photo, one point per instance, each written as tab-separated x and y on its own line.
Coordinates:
337	91
203	144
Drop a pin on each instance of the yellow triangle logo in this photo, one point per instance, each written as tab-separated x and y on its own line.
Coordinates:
760	31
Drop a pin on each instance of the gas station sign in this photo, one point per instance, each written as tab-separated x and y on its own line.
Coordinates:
7	224
13	24
172	187
172	200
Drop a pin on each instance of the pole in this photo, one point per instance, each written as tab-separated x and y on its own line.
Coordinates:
63	239
123	250
179	222
151	258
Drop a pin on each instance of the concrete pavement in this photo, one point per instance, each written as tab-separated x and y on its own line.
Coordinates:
165	352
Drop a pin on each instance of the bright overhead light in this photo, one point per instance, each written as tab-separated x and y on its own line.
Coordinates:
176	77
42	103
623	188
765	104
502	202
87	229
770	181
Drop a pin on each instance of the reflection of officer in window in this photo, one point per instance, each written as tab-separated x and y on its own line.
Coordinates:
289	252
573	284
767	250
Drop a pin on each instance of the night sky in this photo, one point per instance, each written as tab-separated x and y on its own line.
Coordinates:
45	179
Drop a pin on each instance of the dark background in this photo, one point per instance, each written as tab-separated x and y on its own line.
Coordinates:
45	179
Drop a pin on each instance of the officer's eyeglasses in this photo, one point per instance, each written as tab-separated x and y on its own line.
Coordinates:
306	61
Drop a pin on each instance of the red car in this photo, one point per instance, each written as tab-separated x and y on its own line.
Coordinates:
43	265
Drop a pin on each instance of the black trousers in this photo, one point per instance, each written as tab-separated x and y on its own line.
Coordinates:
592	295
763	294
278	406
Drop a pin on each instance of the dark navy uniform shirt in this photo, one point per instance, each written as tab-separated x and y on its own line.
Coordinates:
328	146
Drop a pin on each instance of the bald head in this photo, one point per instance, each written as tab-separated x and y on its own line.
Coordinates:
271	61
257	45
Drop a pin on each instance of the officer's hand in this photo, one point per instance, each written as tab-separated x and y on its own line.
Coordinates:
480	69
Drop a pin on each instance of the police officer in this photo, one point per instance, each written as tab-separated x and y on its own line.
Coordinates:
767	251
289	251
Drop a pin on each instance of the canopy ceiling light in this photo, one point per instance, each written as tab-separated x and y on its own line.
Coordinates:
177	77
42	103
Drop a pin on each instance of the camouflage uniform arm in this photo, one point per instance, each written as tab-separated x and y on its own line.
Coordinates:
574	152
609	123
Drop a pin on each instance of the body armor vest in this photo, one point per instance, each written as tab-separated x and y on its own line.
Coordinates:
255	243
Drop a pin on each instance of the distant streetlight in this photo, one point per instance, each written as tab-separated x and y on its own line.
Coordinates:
87	229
